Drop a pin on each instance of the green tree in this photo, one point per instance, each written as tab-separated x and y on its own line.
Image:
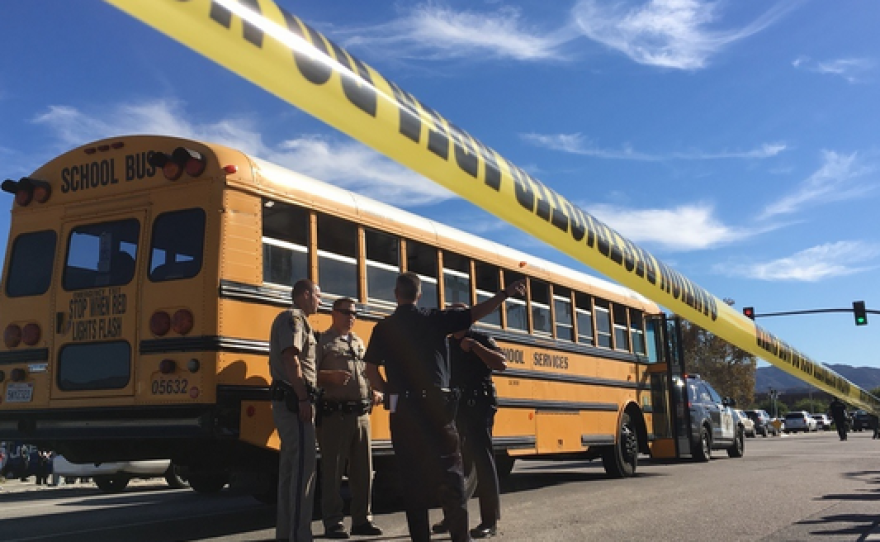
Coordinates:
815	406
730	370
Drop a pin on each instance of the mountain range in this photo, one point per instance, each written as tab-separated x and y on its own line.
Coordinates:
867	378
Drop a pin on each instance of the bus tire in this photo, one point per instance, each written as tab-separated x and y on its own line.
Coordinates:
738	448
504	465
111	483
622	459
702	450
173	478
208	482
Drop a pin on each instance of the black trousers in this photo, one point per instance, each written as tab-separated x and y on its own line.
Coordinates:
426	444
475	420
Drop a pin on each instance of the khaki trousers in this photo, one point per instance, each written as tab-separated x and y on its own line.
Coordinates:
296	475
345	438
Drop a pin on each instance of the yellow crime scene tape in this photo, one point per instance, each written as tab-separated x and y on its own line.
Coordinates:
277	51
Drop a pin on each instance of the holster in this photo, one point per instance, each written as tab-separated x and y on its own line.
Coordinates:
282	391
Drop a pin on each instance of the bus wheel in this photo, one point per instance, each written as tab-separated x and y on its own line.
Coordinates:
111	483
208	482
175	481
621	460
702	451
738	448
504	465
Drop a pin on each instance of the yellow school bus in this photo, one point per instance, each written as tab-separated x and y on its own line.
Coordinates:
142	275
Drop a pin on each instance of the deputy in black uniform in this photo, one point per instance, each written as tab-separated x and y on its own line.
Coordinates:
411	344
474	355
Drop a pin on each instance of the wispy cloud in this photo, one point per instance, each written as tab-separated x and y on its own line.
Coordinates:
345	163
811	265
668	33
433	31
681	229
851	69
577	144
833	181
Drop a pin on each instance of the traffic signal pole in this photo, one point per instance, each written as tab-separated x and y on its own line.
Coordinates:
810	311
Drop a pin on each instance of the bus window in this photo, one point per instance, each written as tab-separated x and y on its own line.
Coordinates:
94	366
456	279
517	316
621	328
337	257
540	295
584	313
487	286
562	310
421	259
285	243
636	332
603	323
101	255
383	266
30	264
177	245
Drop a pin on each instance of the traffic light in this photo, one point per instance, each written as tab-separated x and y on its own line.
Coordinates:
749	312
860	313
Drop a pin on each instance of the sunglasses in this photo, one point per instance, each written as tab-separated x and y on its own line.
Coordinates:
347	312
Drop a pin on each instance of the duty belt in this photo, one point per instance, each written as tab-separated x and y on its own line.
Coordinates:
346	407
281	391
431	393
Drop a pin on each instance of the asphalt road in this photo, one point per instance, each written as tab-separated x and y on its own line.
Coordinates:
793	488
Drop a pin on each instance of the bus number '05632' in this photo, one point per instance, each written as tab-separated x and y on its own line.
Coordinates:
170	387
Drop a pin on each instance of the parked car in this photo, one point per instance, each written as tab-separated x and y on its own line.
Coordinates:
713	424
747	423
799	420
823	422
861	420
763	423
114	477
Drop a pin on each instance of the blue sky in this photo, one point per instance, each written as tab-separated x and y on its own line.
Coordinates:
736	140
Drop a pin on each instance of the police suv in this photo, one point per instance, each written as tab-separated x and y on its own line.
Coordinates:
713	424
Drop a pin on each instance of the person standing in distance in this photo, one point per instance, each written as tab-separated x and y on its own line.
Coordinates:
344	429
292	347
474	355
411	345
838	414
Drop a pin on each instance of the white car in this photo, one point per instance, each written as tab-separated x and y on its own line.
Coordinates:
748	423
799	420
823	422
114	477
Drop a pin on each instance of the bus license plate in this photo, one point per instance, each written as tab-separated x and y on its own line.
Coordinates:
19	392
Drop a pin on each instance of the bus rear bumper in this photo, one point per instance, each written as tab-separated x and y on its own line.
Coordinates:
107	423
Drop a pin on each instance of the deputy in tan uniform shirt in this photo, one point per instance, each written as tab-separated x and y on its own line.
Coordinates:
344	428
292	349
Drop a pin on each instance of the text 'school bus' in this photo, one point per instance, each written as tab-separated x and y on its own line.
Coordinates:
142	275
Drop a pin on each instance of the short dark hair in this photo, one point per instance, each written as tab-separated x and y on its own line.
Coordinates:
300	287
408	286
343	301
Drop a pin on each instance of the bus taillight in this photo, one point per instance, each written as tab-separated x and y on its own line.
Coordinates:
167	366
17	375
160	323
31	334
27	190
12	335
182	322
